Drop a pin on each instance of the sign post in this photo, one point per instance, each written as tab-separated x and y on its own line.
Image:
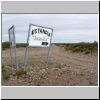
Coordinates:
38	36
12	42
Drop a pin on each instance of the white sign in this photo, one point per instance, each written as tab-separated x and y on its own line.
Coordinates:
12	37
39	36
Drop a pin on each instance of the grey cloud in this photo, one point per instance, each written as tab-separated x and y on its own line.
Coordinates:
67	23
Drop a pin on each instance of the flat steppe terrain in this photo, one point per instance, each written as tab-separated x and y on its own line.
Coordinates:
65	68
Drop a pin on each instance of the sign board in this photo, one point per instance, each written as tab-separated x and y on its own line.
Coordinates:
12	36
39	36
12	42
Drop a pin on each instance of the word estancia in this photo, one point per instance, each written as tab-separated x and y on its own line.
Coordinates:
40	30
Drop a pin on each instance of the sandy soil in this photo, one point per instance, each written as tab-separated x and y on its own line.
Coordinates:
65	68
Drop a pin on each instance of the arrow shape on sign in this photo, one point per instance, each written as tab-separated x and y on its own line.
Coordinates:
44	43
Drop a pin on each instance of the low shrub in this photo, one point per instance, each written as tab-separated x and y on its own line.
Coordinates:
82	47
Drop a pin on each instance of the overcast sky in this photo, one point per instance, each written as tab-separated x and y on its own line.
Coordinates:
67	28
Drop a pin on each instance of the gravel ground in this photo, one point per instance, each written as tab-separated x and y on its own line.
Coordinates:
65	68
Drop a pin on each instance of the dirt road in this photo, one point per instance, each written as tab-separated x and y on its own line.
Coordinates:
65	68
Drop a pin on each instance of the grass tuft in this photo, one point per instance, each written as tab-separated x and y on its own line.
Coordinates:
20	72
5	73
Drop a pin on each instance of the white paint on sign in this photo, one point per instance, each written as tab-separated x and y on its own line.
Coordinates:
39	36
